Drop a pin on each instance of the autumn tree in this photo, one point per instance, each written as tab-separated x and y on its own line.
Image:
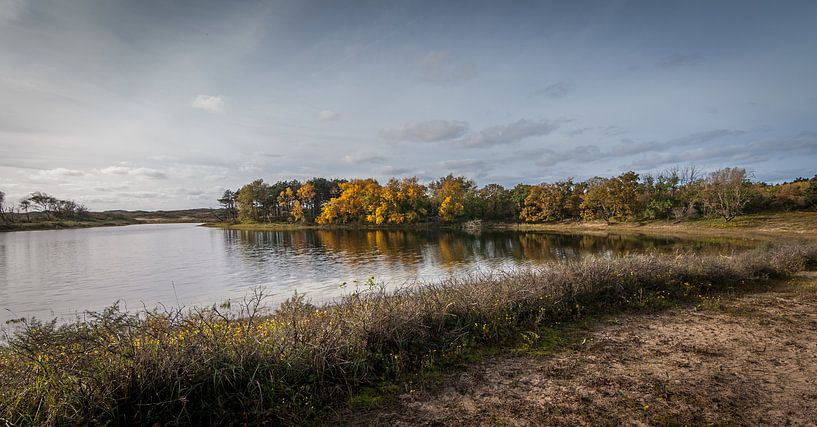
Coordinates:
449	194
553	202
402	202
659	195
613	198
495	203
811	192
357	199
252	202
518	194
726	192
324	191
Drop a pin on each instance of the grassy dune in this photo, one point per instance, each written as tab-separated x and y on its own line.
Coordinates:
247	364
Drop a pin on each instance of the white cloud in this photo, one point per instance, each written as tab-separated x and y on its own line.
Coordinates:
213	104
328	115
127	170
58	173
431	131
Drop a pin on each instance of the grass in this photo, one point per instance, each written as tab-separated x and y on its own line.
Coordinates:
62	224
763	225
246	364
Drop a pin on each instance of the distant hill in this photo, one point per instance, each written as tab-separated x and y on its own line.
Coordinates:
181	215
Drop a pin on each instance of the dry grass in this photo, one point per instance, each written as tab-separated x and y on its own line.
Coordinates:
245	364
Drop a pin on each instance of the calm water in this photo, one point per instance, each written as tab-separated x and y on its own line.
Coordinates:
62	272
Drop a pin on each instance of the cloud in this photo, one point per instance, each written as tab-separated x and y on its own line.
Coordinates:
583	153
127	170
804	144
394	170
328	115
11	10
679	60
510	133
359	158
441	67
591	153
213	104
431	131
58	173
555	90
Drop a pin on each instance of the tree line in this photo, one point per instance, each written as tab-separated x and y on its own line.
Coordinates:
40	206
679	193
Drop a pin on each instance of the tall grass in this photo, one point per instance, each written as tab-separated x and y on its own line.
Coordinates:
245	364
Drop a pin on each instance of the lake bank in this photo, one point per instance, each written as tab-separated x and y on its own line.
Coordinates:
37	221
802	223
291	365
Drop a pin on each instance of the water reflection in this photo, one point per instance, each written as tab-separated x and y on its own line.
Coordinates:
49	273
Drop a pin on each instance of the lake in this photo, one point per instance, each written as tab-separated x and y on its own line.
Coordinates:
58	273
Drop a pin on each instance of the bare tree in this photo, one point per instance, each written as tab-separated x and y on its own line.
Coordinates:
727	191
2	206
25	205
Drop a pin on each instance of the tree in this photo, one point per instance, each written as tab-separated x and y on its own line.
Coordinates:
305	202
726	192
659	195
495	203
811	192
228	202
3	206
25	205
252	201
518	195
43	203
614	198
450	194
357	199
402	202
553	202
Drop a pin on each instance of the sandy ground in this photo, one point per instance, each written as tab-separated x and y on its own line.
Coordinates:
746	360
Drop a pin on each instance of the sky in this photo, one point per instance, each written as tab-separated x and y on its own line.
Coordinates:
165	104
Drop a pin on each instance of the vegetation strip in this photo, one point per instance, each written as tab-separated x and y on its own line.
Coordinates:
245	365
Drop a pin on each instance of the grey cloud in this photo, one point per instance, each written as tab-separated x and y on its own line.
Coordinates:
360	158
603	130
679	60
441	67
555	90
11	10
393	170
510	133
589	153
141	195
111	188
583	153
802	144
431	131
462	163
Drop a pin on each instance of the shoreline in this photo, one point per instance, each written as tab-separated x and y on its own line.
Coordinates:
769	225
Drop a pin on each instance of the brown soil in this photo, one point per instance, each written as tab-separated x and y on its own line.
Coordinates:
749	359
